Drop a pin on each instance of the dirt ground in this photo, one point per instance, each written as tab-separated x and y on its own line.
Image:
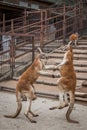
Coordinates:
47	120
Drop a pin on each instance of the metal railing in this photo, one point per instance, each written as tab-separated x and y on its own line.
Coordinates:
36	28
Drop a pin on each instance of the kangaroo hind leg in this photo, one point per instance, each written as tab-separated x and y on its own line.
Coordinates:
61	102
72	100
29	111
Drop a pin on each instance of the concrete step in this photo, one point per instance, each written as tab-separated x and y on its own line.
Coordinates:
55	57
82	42
80	69
55	61
60	55
48	78
81	47
76	51
80	65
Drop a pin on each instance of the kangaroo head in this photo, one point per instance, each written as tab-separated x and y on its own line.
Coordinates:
43	56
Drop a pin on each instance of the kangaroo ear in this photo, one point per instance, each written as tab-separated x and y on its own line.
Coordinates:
77	33
39	50
42	54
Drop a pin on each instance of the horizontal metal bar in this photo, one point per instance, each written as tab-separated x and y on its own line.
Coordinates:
17	34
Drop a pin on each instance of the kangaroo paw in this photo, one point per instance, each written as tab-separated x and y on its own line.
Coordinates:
61	107
34	115
52	108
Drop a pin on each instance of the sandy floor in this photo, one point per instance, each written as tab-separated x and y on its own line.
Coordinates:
47	120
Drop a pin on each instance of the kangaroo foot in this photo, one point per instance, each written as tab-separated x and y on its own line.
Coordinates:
32	121
34	115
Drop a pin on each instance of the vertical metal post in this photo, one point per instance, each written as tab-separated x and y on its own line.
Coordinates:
3	22
81	14
64	22
0	36
24	24
41	31
75	19
25	21
12	56
33	49
12	26
25	15
46	25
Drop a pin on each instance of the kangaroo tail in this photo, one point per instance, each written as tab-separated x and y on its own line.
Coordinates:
19	107
69	112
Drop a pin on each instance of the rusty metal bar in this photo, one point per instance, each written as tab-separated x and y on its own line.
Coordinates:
74	23
33	49
12	26
64	22
3	23
41	31
16	34
24	22
81	14
12	57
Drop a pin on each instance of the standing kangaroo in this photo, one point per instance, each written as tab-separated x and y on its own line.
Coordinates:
73	38
66	83
25	85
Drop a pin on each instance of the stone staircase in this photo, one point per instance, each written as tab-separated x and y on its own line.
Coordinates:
47	84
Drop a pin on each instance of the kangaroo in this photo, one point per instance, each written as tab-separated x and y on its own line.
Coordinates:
66	83
73	38
25	85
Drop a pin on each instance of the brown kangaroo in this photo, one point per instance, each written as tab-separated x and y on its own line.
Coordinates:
73	38
66	83
25	85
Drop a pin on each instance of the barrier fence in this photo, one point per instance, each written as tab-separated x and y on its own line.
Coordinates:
20	36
